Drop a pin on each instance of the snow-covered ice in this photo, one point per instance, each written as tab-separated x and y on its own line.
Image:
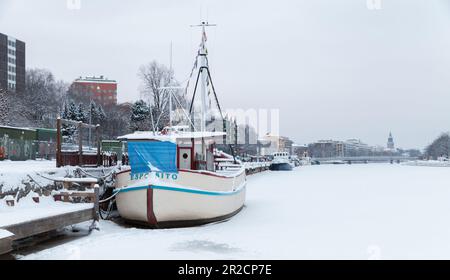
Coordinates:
431	163
372	211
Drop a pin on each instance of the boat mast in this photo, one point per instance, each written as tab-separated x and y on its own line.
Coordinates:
203	65
170	82
204	76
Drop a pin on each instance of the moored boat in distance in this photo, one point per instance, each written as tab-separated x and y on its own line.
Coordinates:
281	162
176	178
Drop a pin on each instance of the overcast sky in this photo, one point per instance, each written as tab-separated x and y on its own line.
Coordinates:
335	69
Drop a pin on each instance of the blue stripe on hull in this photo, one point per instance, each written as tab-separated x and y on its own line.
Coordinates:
200	192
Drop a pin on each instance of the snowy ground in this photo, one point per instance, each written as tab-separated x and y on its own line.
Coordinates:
373	211
13	174
27	210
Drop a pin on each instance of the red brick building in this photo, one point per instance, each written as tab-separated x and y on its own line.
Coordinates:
100	90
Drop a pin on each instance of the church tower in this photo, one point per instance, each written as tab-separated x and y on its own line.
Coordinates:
390	143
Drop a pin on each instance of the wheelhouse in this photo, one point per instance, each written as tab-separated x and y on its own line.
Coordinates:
281	154
183	150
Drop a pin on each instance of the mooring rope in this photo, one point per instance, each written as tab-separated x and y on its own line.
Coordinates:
109	198
32	179
50	179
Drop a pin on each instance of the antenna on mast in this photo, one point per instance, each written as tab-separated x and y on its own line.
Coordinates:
203	23
202	79
171	56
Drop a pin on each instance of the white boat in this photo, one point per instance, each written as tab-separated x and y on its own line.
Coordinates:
281	162
295	161
305	161
174	179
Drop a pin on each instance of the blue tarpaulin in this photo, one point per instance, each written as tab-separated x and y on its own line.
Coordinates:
152	157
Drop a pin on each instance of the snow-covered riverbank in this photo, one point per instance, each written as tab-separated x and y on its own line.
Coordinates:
315	212
28	210
18	175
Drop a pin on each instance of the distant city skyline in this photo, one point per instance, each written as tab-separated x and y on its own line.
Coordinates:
334	69
387	145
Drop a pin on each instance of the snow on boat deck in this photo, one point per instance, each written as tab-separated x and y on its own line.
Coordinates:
372	211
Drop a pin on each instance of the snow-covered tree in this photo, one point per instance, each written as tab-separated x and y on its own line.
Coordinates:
81	114
97	114
41	96
140	116
65	112
3	107
117	121
68	130
439	148
40	102
72	112
101	115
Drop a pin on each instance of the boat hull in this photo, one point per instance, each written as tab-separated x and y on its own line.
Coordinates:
280	166
194	198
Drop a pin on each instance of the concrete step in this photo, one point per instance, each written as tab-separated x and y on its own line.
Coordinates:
6	239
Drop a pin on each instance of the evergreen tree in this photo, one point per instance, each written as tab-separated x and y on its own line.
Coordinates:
72	112
101	115
81	115
98	115
65	112
93	112
67	130
140	115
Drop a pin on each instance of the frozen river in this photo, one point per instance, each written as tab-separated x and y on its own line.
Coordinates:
372	211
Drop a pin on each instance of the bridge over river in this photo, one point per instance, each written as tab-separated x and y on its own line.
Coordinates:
364	159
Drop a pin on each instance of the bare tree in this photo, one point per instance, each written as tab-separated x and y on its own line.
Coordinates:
17	111
153	77
117	121
39	104
40	94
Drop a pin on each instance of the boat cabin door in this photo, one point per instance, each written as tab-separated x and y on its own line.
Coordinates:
184	158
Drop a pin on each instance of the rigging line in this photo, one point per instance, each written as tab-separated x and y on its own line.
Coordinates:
215	94
184	111
195	91
151	117
162	111
220	109
191	74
